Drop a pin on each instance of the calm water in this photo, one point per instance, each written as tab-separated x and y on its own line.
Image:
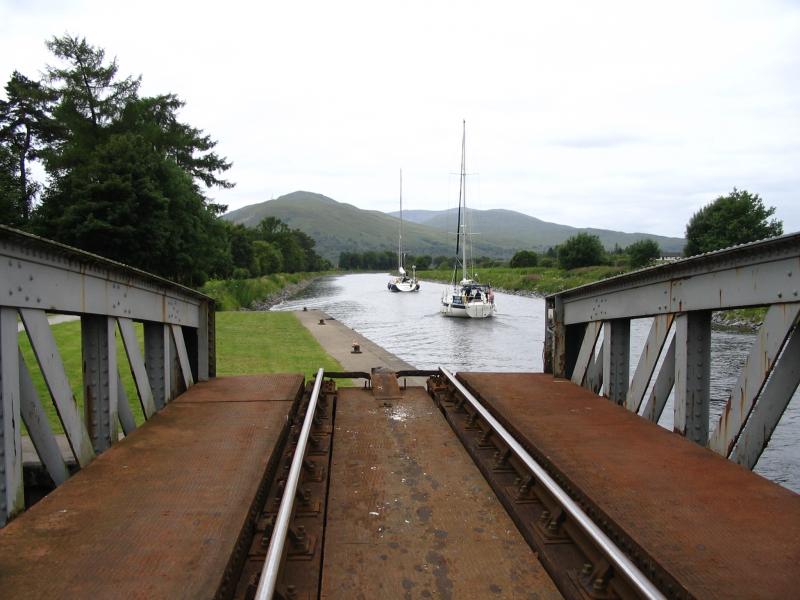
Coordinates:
410	326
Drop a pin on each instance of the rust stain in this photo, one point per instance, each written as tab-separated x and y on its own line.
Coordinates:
719	530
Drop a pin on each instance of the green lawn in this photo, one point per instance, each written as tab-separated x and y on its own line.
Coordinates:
247	343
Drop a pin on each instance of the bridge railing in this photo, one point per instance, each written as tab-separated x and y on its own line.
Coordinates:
588	341
39	278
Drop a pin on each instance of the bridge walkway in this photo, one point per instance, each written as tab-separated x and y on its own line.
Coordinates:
160	513
715	528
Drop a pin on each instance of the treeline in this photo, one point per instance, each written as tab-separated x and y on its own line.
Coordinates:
272	247
387	259
126	179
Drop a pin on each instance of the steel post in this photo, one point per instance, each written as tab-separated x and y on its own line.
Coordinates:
99	351
11	486
692	374
616	359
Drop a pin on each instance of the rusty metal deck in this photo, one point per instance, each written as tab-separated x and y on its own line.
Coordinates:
409	514
159	514
718	529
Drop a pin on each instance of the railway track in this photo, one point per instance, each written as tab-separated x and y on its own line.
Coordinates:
585	559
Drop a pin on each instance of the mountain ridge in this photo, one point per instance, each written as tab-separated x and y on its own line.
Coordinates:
341	227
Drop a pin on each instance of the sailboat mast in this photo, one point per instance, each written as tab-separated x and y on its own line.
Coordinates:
400	241
464	199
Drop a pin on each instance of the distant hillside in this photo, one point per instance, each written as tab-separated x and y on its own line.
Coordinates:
511	228
337	227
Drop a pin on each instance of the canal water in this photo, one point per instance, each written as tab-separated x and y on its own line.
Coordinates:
410	326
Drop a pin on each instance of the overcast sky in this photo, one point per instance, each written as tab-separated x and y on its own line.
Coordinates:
619	115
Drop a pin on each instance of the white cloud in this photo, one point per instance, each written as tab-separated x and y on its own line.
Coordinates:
623	115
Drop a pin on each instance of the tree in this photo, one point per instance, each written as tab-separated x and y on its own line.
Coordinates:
524	258
737	218
25	126
642	252
581	250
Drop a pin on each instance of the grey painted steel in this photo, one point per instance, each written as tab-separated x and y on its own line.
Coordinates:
156	360
203	344
99	351
183	357
693	375
11	486
41	274
771	404
659	331
49	359
594	374
559	355
772	334
42	435
586	354
124	412
665	381
621	564
138	371
269	574
616	359
755	274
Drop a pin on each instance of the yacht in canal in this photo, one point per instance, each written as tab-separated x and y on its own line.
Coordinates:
403	283
466	298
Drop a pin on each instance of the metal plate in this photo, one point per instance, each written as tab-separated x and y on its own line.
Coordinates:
719	530
409	514
156	516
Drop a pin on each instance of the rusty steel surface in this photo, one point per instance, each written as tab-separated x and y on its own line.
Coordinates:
719	530
409	514
245	388
159	514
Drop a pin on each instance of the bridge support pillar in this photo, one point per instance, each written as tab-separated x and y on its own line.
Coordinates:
12	498
616	359
692	374
100	373
158	361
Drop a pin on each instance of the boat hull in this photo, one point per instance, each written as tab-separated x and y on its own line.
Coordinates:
403	286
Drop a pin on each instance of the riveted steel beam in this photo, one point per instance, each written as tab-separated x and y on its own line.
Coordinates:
659	331
52	367
11	488
692	375
99	351
755	274
586	353
616	359
772	334
772	402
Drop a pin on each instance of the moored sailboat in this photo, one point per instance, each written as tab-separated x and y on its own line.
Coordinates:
403	283
467	297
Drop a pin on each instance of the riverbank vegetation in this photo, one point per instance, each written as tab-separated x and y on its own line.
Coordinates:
247	343
256	293
125	178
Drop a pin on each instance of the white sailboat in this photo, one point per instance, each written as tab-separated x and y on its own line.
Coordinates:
466	298
403	283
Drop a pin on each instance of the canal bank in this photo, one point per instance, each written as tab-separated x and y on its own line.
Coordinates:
339	341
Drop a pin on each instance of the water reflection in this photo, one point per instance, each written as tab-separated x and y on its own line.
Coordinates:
410	326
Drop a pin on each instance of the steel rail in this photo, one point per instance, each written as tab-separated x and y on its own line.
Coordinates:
269	574
617	557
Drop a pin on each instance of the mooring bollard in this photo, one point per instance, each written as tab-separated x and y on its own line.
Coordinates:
356	348
322	321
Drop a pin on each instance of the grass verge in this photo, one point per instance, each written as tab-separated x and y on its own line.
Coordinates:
247	343
235	294
539	280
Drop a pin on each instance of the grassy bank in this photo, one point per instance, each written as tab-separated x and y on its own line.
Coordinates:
247	343
539	280
236	294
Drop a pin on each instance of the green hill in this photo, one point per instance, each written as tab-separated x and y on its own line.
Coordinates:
338	227
510	228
